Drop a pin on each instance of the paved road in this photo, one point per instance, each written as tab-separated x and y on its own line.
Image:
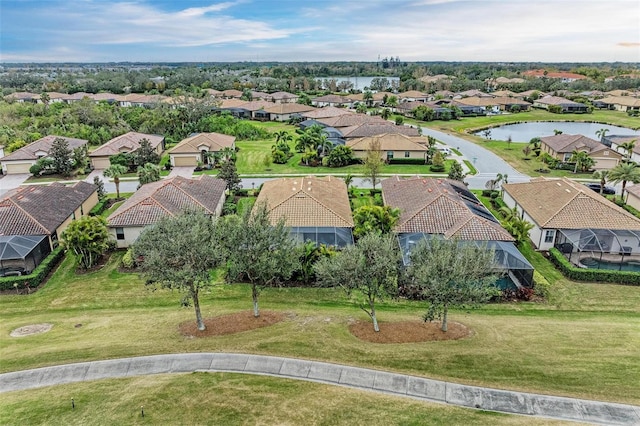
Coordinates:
511	402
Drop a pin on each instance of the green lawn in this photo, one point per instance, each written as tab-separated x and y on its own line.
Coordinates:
582	342
231	399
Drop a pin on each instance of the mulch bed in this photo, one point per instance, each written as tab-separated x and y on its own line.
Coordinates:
408	332
231	324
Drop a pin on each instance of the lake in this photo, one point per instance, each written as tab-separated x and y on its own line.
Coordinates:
524	132
359	83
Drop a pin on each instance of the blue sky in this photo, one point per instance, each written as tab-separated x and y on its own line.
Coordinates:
320	30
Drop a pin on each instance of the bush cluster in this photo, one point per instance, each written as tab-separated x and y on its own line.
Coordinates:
593	275
35	278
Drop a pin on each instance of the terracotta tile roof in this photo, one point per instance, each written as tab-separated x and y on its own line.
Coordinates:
168	197
256	105
412	94
231	93
334	99
308	201
41	145
39	210
565	204
374	129
326	112
441	206
556	100
565	75
232	103
282	95
390	142
633	189
213	142
128	142
628	101
564	143
288	108
473	92
347	120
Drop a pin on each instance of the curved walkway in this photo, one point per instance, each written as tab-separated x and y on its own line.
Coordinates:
333	374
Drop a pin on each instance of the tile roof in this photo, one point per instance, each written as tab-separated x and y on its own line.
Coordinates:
168	197
326	112
308	201
128	142
213	142
390	142
565	204
334	99
288	108
39	210
556	100
347	120
412	94
628	101
441	206
564	143
41	145
282	95
374	129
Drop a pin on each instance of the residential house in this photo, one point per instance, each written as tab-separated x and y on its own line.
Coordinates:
196	148
326	112
392	145
315	209
46	211
621	103
616	142
257	109
566	105
562	147
377	98
349	120
633	195
283	98
231	93
287	111
494	104
332	100
412	96
445	208
127	143
472	93
565	77
167	197
374	129
139	100
573	218
21	160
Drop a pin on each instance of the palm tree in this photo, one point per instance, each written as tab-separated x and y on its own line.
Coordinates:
582	160
392	102
535	143
602	133
283	136
324	144
602	176
368	97
628	147
348	180
624	172
114	171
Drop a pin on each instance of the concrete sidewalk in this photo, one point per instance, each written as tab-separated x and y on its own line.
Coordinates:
511	402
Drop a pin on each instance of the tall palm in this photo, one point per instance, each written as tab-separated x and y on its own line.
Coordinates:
628	148
582	160
283	136
624	172
324	144
602	176
114	172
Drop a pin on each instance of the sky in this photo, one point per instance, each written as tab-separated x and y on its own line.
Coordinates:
320	30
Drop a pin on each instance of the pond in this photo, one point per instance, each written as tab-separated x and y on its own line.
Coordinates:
524	132
359	83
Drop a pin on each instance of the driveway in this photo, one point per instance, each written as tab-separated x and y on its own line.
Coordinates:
8	182
181	171
486	162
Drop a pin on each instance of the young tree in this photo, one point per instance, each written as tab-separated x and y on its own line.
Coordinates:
437	163
374	219
628	148
88	239
340	156
373	163
602	176
456	172
582	160
148	173
449	274
114	171
100	185
367	271
602	133
61	155
178	252
515	224
257	250
229	174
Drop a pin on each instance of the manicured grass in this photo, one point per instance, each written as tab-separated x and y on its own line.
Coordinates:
582	342
230	399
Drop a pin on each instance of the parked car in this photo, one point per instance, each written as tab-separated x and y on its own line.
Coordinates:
444	150
608	190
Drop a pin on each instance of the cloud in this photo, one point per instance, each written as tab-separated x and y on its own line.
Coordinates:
628	44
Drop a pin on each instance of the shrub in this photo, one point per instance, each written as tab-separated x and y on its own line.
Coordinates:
419	161
99	208
127	259
541	286
592	275
229	208
37	277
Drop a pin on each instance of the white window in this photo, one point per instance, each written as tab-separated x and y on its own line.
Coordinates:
407	154
549	235
120	233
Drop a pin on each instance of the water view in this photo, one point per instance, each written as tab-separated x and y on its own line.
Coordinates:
359	83
524	132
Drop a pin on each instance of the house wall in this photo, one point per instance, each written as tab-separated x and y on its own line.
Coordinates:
82	210
605	163
396	154
131	234
100	163
536	234
633	201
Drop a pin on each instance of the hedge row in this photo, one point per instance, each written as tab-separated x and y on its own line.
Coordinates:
593	275
35	278
99	208
418	161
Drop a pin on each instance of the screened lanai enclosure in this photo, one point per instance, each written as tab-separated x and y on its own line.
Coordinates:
600	248
22	253
329	236
514	268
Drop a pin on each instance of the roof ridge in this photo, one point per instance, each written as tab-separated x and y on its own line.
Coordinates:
420	210
186	193
46	231
325	206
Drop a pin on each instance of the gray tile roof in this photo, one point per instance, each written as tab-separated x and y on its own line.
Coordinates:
40	210
441	206
168	197
129	142
43	144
